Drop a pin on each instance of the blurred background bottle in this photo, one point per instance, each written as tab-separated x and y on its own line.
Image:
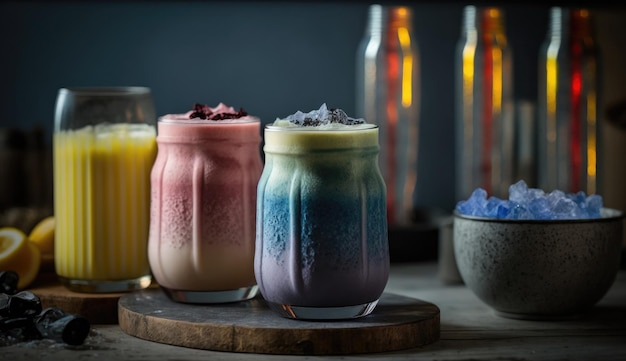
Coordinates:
25	178
484	104
569	104
388	95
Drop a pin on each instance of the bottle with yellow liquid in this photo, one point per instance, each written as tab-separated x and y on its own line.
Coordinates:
388	94
569	104
484	121
104	147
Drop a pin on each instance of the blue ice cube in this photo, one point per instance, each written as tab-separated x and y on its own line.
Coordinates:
594	204
532	203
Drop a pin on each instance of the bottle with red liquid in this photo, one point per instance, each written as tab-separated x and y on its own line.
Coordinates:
387	94
484	104
569	104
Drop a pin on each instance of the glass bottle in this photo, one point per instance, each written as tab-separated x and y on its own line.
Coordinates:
484	104
568	104
388	95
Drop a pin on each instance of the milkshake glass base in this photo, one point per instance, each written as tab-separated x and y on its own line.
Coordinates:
323	313
236	295
98	286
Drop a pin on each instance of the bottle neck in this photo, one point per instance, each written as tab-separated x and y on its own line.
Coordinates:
376	20
400	17
388	18
469	19
580	23
489	20
492	20
564	22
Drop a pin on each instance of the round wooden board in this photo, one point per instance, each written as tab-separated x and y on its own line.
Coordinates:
97	308
397	323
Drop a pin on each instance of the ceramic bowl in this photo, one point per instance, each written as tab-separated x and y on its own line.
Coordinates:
539	269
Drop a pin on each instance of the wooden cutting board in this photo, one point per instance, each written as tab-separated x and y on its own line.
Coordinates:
98	308
397	323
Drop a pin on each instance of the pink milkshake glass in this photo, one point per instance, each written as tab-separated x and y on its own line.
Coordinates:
202	221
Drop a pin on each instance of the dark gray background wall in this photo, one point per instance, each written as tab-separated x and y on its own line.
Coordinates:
272	58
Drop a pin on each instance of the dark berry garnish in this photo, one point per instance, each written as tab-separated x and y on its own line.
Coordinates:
22	318
8	282
203	111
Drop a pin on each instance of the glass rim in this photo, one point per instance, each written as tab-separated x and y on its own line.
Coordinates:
169	119
106	90
607	214
345	128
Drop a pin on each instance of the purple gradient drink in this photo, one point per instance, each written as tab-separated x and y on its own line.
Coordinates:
321	241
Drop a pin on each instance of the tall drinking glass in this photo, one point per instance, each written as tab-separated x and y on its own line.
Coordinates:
202	223
322	248
104	149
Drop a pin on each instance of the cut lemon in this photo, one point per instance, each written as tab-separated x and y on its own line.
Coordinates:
18	254
28	267
43	235
12	241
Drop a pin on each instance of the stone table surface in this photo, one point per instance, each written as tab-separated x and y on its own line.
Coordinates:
470	330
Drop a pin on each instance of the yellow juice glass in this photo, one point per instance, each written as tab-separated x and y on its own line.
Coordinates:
104	146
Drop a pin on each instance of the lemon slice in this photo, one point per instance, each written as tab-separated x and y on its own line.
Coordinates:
19	254
28	267
12	241
43	235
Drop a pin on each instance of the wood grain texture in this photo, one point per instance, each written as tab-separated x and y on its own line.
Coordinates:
470	330
97	308
397	323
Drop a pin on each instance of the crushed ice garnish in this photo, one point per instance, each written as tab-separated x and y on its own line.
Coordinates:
322	116
531	203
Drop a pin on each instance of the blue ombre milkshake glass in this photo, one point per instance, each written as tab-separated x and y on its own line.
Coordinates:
321	241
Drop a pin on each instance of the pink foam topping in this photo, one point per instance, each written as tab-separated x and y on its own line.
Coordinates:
220	112
205	112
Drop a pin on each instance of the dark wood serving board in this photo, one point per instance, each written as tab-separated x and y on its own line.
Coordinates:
397	323
98	308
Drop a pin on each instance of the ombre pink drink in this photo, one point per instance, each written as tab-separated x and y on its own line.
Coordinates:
202	229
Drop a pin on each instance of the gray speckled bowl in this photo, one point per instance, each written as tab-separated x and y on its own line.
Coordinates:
539	269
